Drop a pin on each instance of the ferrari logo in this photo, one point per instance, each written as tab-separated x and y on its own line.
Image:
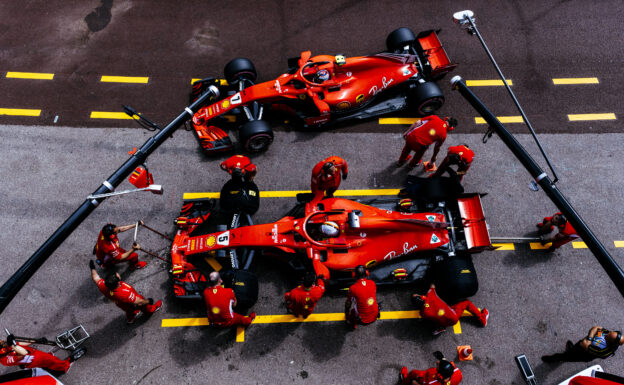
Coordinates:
426	305
216	310
214	291
440	312
370	301
302	96
432	132
363	283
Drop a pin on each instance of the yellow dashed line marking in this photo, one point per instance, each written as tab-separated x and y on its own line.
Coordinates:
240	334
124	79
562	81
618	243
109	115
397	120
30	75
457	328
579	245
19	112
583	117
539	246
502	119
504	246
486	83
292	194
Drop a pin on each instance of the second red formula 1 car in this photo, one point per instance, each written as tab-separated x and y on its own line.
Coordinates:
429	233
325	89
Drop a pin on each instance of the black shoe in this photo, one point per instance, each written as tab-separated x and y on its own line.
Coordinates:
569	345
548	359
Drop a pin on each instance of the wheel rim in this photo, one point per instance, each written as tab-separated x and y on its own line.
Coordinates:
431	105
259	142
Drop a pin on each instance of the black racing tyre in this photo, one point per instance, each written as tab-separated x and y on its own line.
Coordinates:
399	38
455	278
245	286
239	68
426	98
255	135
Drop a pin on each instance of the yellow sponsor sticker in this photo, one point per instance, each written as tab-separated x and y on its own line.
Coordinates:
225	104
359	98
211	241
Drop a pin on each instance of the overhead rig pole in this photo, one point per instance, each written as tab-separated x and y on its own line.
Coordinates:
13	285
602	255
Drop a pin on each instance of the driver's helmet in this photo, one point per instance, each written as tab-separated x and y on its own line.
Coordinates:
330	229
321	76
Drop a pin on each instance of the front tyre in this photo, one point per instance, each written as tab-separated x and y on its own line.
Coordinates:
256	136
240	68
427	98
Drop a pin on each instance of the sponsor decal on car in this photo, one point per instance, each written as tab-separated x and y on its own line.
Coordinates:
343	105
374	90
278	87
225	104
210	241
406	250
434	239
359	98
236	98
431	218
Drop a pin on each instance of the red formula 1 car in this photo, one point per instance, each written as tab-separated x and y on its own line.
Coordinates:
399	239
325	89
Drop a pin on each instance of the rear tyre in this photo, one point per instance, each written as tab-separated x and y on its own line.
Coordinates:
427	98
256	136
455	278
245	286
399	38
239	68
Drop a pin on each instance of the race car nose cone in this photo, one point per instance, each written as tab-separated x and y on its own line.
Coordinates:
462	16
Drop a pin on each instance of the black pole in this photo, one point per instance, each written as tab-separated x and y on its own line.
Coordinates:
602	255
13	285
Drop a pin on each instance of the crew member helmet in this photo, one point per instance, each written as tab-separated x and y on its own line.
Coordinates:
108	229
445	369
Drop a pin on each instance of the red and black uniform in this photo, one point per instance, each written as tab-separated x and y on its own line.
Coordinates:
461	156
301	301
323	183
108	252
443	315
431	377
241	162
361	306
219	306
420	135
566	231
35	359
124	296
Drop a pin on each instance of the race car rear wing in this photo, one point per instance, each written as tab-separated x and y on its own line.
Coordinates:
432	55
473	221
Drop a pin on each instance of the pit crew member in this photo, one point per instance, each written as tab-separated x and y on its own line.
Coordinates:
220	303
599	343
434	309
326	176
301	300
240	164
361	306
13	353
565	231
420	135
444	373
460	156
124	295
108	252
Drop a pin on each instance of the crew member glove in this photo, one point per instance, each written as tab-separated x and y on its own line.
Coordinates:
136	246
438	354
11	340
92	265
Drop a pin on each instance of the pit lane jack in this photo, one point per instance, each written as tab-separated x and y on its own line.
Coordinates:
70	340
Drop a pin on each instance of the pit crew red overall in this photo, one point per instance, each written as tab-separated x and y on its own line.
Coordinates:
443	315
241	162
108	252
431	377
420	135
327	184
461	156
124	296
566	231
219	305
35	359
361	306
301	301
